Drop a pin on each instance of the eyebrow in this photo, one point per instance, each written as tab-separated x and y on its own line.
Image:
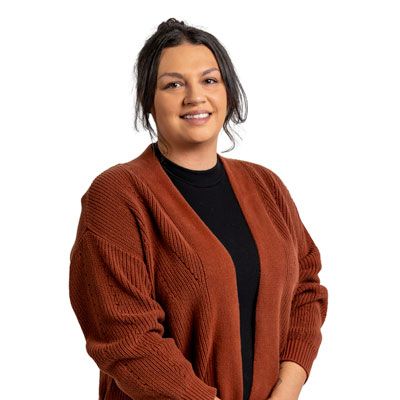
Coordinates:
178	75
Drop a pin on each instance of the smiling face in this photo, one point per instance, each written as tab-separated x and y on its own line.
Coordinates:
195	84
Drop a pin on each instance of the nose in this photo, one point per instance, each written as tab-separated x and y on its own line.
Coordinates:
194	94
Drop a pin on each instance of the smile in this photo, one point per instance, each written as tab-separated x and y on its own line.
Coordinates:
199	119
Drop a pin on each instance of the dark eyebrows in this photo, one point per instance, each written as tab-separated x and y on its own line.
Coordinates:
178	75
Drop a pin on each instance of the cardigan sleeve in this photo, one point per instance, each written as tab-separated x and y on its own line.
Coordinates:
111	293
310	299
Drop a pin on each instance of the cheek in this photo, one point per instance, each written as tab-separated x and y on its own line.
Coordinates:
222	107
222	102
165	109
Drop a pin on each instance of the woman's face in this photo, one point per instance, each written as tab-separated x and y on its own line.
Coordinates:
186	91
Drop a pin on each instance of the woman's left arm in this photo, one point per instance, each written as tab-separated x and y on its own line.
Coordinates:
291	380
309	304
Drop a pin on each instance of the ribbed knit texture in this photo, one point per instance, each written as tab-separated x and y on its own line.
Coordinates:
155	292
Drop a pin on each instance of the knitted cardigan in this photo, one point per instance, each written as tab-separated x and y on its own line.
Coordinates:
155	291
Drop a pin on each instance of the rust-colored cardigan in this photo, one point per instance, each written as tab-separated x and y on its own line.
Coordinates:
155	291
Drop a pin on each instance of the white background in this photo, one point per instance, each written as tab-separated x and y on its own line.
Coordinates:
323	86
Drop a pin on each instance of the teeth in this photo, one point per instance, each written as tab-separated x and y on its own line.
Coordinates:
197	116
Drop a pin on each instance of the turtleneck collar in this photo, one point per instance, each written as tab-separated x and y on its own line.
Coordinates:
200	178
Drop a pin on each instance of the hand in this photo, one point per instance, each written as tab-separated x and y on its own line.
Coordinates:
291	380
217	398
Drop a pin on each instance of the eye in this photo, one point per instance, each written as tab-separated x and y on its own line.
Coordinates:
170	85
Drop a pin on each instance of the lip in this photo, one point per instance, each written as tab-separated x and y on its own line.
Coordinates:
195	112
197	121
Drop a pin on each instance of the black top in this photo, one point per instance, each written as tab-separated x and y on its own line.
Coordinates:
210	194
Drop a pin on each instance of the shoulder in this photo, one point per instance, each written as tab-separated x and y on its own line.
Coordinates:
266	177
273	186
113	179
113	186
110	207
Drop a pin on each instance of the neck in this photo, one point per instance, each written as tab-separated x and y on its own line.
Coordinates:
197	159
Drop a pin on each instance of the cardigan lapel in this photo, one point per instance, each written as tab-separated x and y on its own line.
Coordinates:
181	213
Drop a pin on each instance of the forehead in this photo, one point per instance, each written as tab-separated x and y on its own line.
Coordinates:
186	58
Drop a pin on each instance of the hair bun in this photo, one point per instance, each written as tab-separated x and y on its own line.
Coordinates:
170	23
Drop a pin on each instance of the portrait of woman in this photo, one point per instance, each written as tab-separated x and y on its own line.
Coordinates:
192	274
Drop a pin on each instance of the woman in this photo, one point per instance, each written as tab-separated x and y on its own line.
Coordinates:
192	275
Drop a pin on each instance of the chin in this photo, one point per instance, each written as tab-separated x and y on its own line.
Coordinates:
200	136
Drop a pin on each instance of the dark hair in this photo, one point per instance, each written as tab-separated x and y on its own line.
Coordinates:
172	33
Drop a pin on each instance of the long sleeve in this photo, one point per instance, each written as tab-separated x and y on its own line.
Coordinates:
310	299
111	292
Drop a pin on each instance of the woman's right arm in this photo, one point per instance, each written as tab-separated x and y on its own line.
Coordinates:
111	293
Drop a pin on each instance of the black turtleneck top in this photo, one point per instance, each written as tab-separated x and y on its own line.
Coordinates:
210	194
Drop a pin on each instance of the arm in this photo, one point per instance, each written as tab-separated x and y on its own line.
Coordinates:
111	293
310	299
291	380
